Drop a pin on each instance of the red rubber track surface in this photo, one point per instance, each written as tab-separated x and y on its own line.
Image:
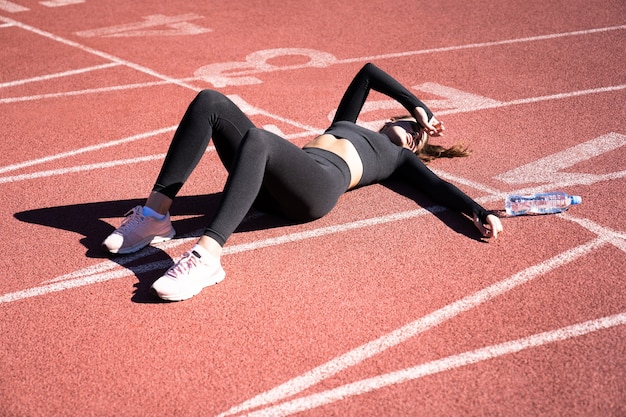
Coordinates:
387	306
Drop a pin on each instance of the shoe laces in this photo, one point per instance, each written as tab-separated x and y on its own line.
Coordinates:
184	265
133	218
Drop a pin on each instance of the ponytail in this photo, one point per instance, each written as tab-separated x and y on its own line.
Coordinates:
430	152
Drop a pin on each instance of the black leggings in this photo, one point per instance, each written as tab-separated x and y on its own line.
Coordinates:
264	169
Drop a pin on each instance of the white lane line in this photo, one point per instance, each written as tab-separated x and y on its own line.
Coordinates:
402	334
91	148
81	282
615	238
308	130
102	165
244	247
441	365
87	167
95	52
80	168
490	44
11	7
473	184
98	90
58	75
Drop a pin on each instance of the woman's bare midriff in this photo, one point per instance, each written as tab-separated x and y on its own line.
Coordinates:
343	149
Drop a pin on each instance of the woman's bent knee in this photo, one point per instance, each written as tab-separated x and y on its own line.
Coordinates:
209	97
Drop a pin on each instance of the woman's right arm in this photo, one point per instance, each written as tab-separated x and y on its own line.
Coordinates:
412	169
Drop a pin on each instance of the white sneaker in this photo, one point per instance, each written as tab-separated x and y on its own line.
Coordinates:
137	231
188	277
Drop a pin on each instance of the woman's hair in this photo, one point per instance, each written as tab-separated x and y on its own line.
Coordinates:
431	151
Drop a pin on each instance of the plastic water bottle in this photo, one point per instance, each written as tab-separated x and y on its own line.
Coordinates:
542	203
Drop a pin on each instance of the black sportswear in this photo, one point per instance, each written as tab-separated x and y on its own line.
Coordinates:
301	184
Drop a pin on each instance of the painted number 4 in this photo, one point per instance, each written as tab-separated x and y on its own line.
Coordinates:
154	25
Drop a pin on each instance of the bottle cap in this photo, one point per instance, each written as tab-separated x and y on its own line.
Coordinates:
576	199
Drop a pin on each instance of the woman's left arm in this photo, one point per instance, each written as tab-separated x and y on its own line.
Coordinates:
490	227
370	77
412	169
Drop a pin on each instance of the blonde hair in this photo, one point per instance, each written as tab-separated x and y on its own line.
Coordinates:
428	152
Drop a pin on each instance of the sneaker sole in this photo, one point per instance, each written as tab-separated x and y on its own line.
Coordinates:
219	277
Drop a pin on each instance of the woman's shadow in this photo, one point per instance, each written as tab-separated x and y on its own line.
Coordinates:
89	220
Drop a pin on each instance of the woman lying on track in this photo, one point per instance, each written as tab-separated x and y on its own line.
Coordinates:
273	174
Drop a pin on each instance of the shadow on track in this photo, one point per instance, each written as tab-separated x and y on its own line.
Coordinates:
148	264
88	220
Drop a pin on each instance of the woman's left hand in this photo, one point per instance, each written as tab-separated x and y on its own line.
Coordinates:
433	126
494	226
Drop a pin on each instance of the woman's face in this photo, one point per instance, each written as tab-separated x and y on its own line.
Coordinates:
405	133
